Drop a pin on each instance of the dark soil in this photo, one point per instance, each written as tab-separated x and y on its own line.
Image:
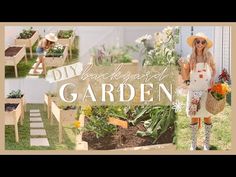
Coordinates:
10	106
124	138
12	51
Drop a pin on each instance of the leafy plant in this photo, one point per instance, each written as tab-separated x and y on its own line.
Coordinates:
27	33
157	120
160	50
107	56
15	94
55	51
65	34
99	126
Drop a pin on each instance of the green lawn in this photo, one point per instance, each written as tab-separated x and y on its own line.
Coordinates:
51	130
221	130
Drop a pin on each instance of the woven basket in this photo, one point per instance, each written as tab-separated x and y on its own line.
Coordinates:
214	106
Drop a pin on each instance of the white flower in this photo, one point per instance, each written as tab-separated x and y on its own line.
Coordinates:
143	38
177	106
168	30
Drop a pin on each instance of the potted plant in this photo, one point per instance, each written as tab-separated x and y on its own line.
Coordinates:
16	96
13	55
12	116
28	38
66	38
56	56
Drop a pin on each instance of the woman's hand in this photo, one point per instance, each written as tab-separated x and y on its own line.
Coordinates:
212	82
181	61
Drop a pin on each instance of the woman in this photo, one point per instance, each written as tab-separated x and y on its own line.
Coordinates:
202	76
43	45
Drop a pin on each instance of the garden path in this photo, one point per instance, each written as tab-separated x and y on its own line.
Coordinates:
37	131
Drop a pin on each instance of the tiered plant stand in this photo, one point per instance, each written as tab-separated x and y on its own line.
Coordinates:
13	55
22	105
28	42
12	118
67	42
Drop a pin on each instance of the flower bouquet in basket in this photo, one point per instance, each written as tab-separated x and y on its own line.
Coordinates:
216	97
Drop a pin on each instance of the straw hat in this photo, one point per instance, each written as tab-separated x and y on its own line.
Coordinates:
199	35
51	37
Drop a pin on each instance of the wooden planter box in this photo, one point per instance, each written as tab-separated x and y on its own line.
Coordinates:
28	42
12	118
48	101
15	58
22	105
68	42
57	61
64	117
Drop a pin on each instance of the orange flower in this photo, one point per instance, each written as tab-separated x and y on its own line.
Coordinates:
220	88
77	124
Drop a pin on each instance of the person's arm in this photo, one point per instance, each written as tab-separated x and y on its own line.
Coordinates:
213	68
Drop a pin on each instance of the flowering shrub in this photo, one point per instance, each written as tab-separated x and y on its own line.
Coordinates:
55	51
219	90
160	49
224	76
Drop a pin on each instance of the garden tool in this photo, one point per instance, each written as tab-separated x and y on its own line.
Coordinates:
207	136
194	128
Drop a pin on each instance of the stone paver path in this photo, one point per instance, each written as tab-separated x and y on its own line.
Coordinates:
38	135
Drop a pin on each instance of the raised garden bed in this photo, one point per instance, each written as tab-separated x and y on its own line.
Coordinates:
66	38
124	138
13	55
64	117
22	105
56	59
28	40
48	98
12	115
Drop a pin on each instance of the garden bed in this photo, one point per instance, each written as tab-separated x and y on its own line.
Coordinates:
13	55
28	42
66	38
56	60
22	103
12	116
124	138
64	117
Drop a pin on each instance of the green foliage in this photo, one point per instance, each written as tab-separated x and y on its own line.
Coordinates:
161	50
65	34
157	120
107	56
55	51
26	34
99	126
15	94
